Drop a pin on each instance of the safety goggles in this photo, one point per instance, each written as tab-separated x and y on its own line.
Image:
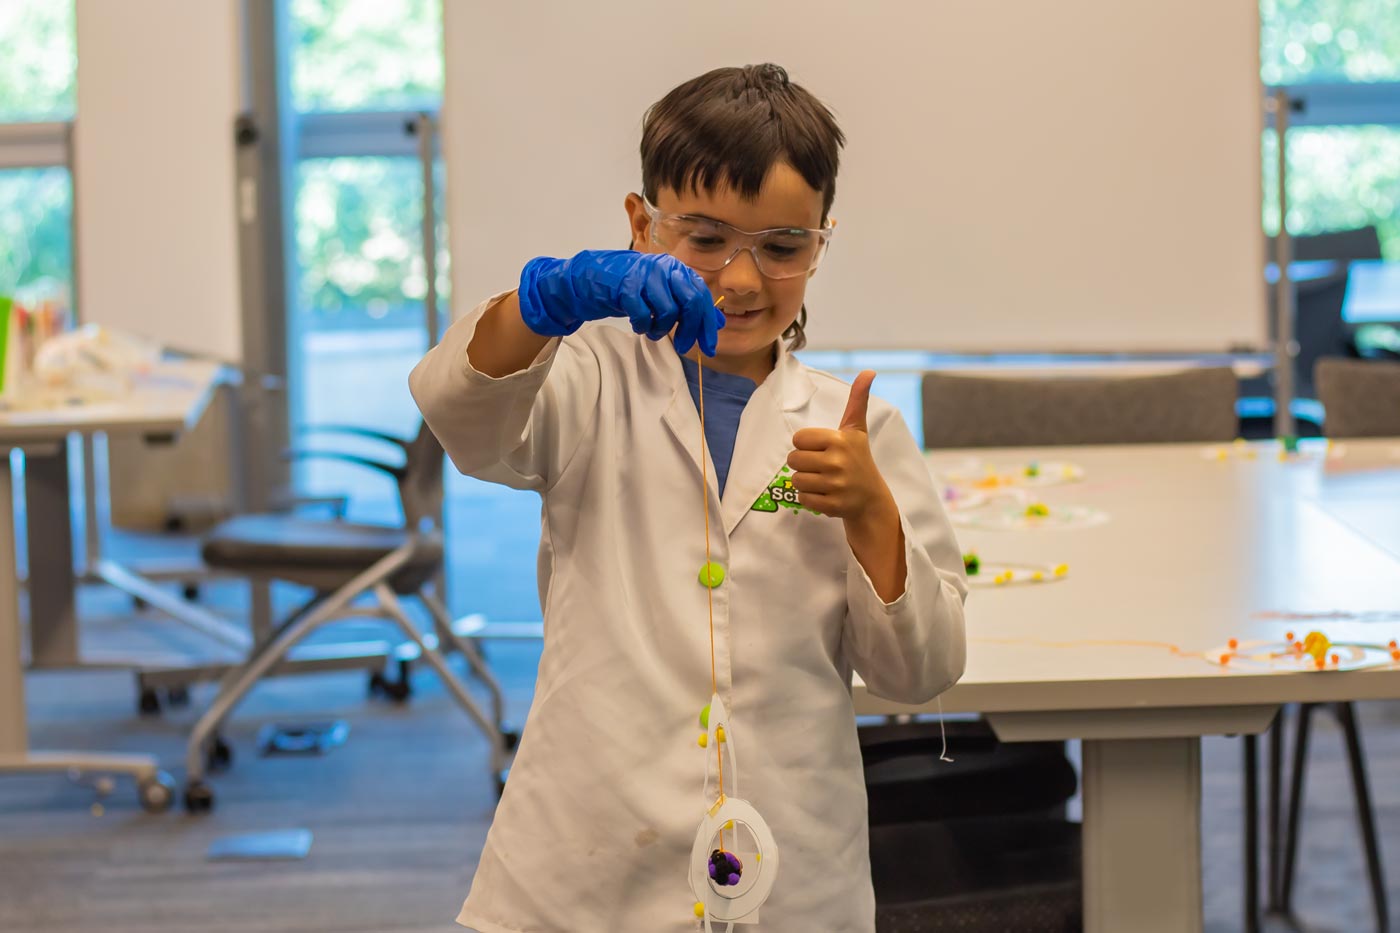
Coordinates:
709	245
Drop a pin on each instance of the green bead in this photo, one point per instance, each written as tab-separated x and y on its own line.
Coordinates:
705	717
711	574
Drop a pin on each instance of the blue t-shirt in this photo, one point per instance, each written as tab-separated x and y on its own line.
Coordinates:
725	398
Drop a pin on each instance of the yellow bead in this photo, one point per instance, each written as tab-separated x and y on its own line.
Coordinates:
758	856
1037	576
729	827
1061	570
1316	644
704	740
719	733
700	910
705	717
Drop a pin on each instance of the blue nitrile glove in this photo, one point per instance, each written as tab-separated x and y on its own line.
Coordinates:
655	291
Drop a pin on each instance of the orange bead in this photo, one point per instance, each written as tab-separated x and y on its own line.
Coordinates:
1336	659
1234	643
1393	645
1224	659
1321	663
1288	635
1395	656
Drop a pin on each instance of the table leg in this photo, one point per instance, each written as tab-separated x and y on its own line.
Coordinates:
14	739
53	630
1142	835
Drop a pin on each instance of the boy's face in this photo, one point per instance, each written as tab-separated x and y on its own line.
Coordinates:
757	309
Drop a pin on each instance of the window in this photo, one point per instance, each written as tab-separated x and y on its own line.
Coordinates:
1305	41
1339	177
359	73
35	241
1340	62
37	72
39	62
366	55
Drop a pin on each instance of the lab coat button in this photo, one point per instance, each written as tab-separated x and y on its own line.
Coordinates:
711	574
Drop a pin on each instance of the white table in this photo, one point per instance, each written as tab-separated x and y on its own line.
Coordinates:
164	403
1195	549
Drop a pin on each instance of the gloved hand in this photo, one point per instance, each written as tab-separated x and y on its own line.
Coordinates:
655	291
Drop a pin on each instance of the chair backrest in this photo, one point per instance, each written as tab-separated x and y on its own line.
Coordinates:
1361	398
985	411
420	485
1360	243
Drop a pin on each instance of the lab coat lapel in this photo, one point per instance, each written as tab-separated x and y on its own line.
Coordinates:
683	421
765	436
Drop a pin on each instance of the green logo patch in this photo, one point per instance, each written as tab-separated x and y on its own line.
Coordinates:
780	492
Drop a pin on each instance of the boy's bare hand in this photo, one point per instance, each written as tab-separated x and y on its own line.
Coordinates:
834	472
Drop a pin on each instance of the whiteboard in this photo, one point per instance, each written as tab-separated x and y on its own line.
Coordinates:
1019	175
153	164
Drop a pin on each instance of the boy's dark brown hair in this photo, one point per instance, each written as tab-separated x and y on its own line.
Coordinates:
729	127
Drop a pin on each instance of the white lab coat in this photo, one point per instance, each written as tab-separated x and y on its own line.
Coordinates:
594	830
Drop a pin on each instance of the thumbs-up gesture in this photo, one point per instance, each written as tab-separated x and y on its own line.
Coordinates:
834	472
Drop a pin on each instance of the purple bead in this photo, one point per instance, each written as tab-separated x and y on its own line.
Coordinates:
713	870
733	879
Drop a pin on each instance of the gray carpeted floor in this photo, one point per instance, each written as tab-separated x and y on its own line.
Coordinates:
400	812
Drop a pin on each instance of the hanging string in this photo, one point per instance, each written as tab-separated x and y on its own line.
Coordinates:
709	569
943	731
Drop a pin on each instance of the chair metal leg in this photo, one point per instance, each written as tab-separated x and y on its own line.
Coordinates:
394	608
468	649
239	680
1295	805
1251	833
1274	844
1365	813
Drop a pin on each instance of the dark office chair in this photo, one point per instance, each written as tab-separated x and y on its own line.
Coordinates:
1318	328
342	562
978	843
1342	245
981	843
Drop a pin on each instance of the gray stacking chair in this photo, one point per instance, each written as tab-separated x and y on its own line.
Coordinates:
344	562
1360	398
982	844
1193	405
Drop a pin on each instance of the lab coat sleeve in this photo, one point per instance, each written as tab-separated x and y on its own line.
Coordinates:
914	648
520	430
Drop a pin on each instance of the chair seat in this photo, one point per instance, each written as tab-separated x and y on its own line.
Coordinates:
318	553
994	875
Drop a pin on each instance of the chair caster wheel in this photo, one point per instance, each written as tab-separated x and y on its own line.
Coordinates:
500	780
511	739
157	793
219	755
149	704
199	798
191	592
178	696
397	690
